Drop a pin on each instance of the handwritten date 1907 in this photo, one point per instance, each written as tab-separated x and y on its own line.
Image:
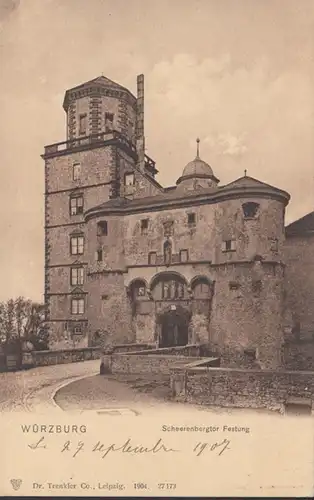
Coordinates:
103	450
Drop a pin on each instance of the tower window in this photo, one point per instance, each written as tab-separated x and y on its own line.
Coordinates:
102	228
228	246
76	204
82	124
144	226
77	306
273	244
76	171
250	209
109	122
77	245
77	276
191	218
129	179
152	258
184	255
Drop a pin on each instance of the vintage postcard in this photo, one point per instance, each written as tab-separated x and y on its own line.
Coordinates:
157	248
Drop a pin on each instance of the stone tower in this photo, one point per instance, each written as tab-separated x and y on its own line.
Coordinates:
99	161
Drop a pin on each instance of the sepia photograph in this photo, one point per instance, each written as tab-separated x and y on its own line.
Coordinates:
157	249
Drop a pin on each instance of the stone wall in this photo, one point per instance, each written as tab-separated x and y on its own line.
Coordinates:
299	281
139	364
58	357
299	355
240	388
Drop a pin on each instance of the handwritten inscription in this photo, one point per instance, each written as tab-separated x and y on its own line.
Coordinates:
128	447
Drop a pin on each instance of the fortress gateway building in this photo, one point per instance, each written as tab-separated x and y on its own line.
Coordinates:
129	261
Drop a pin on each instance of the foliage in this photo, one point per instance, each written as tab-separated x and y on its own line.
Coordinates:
21	321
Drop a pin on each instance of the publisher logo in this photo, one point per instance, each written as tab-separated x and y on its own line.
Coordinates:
16	483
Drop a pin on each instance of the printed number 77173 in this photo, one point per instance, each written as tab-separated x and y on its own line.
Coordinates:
167	486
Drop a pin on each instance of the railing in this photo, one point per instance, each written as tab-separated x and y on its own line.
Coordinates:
93	139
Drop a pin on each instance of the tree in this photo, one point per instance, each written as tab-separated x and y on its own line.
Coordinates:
22	320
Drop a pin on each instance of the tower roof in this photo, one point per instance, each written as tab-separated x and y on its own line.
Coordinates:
99	81
197	168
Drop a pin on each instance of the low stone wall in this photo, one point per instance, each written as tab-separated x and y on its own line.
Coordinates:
299	355
132	347
240	388
45	358
150	363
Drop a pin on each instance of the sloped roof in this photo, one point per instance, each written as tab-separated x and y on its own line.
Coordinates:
247	182
302	226
99	81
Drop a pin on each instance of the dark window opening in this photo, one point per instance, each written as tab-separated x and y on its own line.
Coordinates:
250	210
191	218
102	228
144	226
256	286
273	244
250	354
99	255
234	285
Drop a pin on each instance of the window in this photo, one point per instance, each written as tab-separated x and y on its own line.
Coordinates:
76	171
167	253
77	329
257	286
82	124
77	276
184	255
99	255
144	226
234	285
102	228
129	179
191	218
77	245
250	210
76	204
77	306
152	258
273	244
140	291
109	122
228	246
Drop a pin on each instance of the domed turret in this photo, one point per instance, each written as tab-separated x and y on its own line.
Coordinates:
197	174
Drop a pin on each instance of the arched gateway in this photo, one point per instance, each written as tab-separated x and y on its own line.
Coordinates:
173	327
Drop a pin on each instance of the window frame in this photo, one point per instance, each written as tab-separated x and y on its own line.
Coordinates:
78	244
150	255
100	228
252	205
79	276
129	174
75	197
82	130
144	227
225	245
184	251
77	310
191	222
75	176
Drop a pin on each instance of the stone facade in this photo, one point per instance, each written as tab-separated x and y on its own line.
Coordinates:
128	261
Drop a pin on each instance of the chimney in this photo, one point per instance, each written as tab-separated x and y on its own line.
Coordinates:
140	139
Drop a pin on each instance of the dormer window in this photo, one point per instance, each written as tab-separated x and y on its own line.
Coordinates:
250	210
129	179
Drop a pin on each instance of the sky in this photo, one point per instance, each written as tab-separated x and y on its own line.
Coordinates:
238	74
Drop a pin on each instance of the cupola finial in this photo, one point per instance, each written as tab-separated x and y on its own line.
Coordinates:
198	148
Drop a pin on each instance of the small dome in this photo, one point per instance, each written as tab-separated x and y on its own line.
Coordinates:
197	167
